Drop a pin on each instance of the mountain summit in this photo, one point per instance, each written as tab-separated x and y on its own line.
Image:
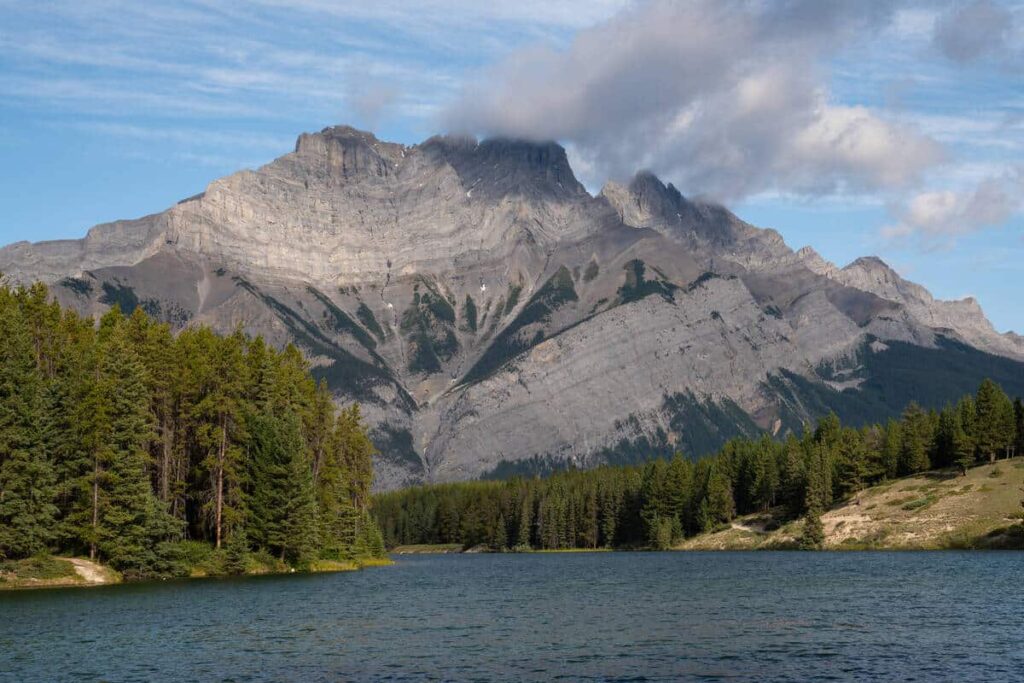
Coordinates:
495	318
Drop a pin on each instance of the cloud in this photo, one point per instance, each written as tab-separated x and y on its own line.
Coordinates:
725	97
973	30
371	102
939	217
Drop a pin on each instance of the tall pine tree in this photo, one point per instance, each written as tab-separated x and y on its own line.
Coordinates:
27	479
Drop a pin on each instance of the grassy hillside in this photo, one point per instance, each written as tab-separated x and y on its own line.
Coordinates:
932	510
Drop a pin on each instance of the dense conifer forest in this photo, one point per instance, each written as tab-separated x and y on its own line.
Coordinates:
149	451
657	504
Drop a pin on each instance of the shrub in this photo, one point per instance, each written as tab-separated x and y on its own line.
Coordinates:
919	503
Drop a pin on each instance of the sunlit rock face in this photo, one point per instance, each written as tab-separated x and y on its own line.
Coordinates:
493	317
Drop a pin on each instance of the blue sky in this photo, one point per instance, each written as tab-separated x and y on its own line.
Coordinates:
888	128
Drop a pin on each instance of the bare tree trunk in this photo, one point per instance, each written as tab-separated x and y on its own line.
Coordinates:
165	465
95	506
220	476
177	503
317	459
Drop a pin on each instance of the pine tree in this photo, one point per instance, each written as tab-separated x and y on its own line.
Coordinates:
656	508
357	452
766	480
968	413
236	552
852	462
128	520
1006	425
369	541
160	355
27	480
720	505
1018	412
677	485
319	428
813	535
828	430
962	447
300	516
917	440
942	454
500	541
892	449
282	505
524	530
992	428
219	415
794	476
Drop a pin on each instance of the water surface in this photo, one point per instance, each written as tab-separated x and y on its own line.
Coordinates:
601	616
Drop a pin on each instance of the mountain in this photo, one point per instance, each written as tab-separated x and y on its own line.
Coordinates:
494	318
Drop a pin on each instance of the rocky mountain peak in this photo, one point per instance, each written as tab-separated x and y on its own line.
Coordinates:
871	264
815	262
343	151
654	196
500	166
646	201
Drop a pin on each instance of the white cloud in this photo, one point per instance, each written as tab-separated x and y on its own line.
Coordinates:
937	218
724	97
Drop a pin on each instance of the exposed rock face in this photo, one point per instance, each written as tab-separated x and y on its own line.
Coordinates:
494	317
963	318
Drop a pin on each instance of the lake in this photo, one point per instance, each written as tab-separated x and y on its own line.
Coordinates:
582	616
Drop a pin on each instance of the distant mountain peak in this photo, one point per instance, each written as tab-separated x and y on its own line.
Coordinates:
346	151
499	166
870	263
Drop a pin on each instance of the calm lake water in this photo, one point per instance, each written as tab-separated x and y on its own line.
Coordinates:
602	616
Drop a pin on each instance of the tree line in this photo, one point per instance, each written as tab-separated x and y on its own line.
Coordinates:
121	440
657	504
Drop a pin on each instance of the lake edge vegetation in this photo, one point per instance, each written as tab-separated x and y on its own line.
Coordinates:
165	454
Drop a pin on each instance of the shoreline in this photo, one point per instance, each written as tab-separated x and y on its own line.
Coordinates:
90	574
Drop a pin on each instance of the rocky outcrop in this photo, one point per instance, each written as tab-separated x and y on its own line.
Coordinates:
963	319
492	316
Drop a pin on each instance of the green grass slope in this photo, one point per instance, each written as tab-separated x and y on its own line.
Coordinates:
932	510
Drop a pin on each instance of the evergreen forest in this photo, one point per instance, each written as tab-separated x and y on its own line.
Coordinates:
659	503
150	451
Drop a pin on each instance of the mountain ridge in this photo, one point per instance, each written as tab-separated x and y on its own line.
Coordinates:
491	313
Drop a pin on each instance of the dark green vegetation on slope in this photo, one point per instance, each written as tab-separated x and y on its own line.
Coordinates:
893	377
702	426
888	380
512	341
357	376
636	287
147	450
429	326
661	502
